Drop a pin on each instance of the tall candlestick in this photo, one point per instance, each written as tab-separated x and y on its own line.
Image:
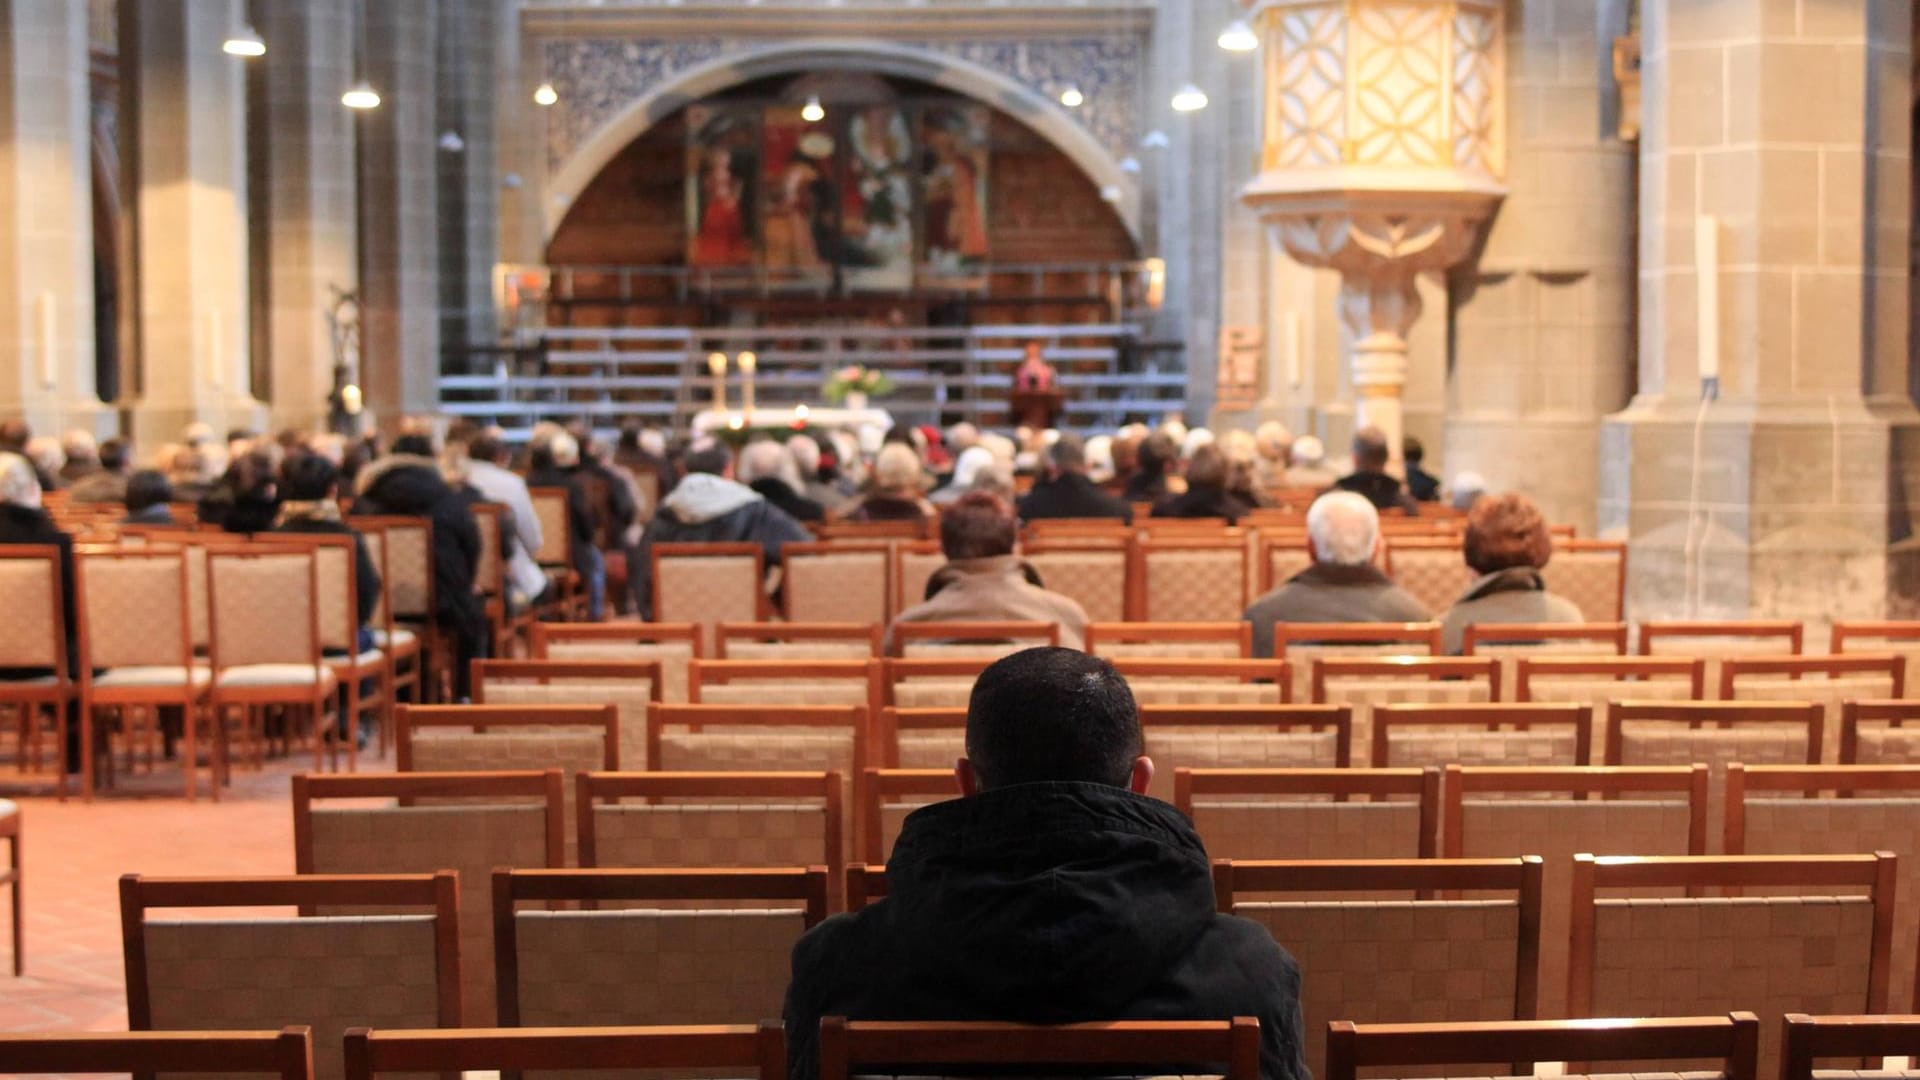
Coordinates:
717	367
748	364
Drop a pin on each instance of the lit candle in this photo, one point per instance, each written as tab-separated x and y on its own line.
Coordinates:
717	367
748	362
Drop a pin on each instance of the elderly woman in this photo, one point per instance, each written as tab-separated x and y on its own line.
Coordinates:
972	463
898	488
1507	544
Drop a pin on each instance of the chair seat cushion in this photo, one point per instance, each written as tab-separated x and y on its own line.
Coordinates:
151	675
400	638
371	656
258	675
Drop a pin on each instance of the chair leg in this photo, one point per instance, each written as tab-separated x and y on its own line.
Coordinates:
86	751
189	755
19	913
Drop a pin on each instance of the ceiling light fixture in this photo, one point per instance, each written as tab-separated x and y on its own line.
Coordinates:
1189	98
361	95
545	95
1238	37
244	42
813	112
1072	98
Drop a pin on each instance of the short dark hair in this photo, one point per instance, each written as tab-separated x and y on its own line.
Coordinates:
1370	451
114	454
308	477
486	447
14	435
1052	714
1208	468
712	460
1157	452
148	487
417	445
1068	453
1411	449
1505	531
978	525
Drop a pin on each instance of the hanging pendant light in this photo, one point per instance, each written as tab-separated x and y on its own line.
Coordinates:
1238	37
361	95
813	112
545	95
1072	98
1189	98
244	42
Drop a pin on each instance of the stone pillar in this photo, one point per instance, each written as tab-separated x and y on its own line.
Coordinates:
46	217
1785	121
1542	322
191	219
469	70
311	234
400	253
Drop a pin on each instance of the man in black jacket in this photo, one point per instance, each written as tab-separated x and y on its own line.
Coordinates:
709	506
1054	891
1370	476
1063	490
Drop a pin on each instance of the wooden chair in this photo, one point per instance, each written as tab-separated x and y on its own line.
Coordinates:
469	823
1806	1040
1557	812
1413	958
1592	574
798	641
1486	734
915	529
964	640
781	682
1601	680
1900	638
1678	732
1823	948
36	639
1243	736
1312	813
726	961
1874	733
1178	641
287	1053
733	1049
406	623
1088	568
758	737
1368	682
553	507
505	625
1279	555
1231	1048
136	651
865	884
1512	641
1731	1044
929	683
1432	569
338	593
836	582
1158	681
329	972
709	819
571	738
633	687
10	830
267	653
708	584
888	796
673	644
913	562
1836	810
1714	641
1829	680
1187	578
1300	644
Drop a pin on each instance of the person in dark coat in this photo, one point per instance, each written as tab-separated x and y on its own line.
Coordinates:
408	483
1152	461
1063	490
555	463
311	487
1343	585
1053	891
149	499
709	506
766	467
1206	495
246	498
1370	476
1421	484
634	452
24	521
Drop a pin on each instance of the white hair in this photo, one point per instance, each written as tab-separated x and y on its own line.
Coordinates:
968	466
564	450
805	454
1195	439
995	477
80	445
46	454
1099	454
1344	528
1272	439
1308	450
962	435
654	442
897	467
763	459
19	484
1000	446
1468	486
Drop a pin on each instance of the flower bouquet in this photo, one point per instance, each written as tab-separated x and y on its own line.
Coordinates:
853	384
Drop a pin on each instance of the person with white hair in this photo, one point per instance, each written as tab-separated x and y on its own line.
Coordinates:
48	459
1309	468
82	454
24	521
968	467
960	436
898	485
1343	585
767	467
1274	443
556	464
1195	439
1100	468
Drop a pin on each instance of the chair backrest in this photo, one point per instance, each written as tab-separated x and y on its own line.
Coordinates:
1192	641
1280	556
1312	813
781	682
287	1053
771	738
1401	639
798	640
1715	732
1091	570
337	587
490	569
1902	638
1433	570
1823	949
1602	679
918	738
1511	641
696	819
1875	733
1420	1050
907	529
709	583
734	1049
914	561
673	644
1715	640
921	682
1174	681
406	575
1830	680
1481	734
888	796
722	962
466	822
550	506
989	639
836	582
1806	1040
1384	680
1836	810
30	590
132	607
328	972
631	686
1235	736
1188	578
1591	574
1362	959
926	1049
491	738
263	606
1557	812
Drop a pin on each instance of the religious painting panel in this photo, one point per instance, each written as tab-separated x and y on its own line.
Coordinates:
723	156
955	140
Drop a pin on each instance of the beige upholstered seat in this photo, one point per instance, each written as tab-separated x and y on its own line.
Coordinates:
632	697
1435	576
707	588
268	653
1094	578
673	657
827	585
136	650
1197	584
710	834
913	563
1589	574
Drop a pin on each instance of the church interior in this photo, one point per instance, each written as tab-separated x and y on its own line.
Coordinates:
514	515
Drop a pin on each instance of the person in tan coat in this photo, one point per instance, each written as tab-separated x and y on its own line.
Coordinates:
985	581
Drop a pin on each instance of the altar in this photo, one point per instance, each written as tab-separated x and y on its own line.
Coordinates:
795	418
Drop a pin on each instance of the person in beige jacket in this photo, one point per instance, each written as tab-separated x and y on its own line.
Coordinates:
984	581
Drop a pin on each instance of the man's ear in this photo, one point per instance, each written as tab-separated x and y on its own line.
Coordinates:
1141	776
964	775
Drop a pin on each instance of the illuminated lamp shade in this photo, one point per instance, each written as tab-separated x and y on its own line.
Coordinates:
244	42
1072	98
1189	98
1238	37
545	95
361	95
813	112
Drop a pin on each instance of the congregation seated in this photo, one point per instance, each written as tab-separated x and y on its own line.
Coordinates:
1064	490
1507	544
1308	468
149	499
520	525
1343	584
1153	461
643	448
23	520
899	484
554	462
1054	890
767	467
106	482
983	581
1421	484
245	498
819	473
1370	477
708	507
311	504
1206	495
972	464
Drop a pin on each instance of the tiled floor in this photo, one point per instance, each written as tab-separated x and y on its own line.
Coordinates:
75	854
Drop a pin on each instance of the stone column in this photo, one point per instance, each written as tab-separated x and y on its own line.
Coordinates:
400	255
191	231
46	217
469	70
1542	323
311	234
1786	123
